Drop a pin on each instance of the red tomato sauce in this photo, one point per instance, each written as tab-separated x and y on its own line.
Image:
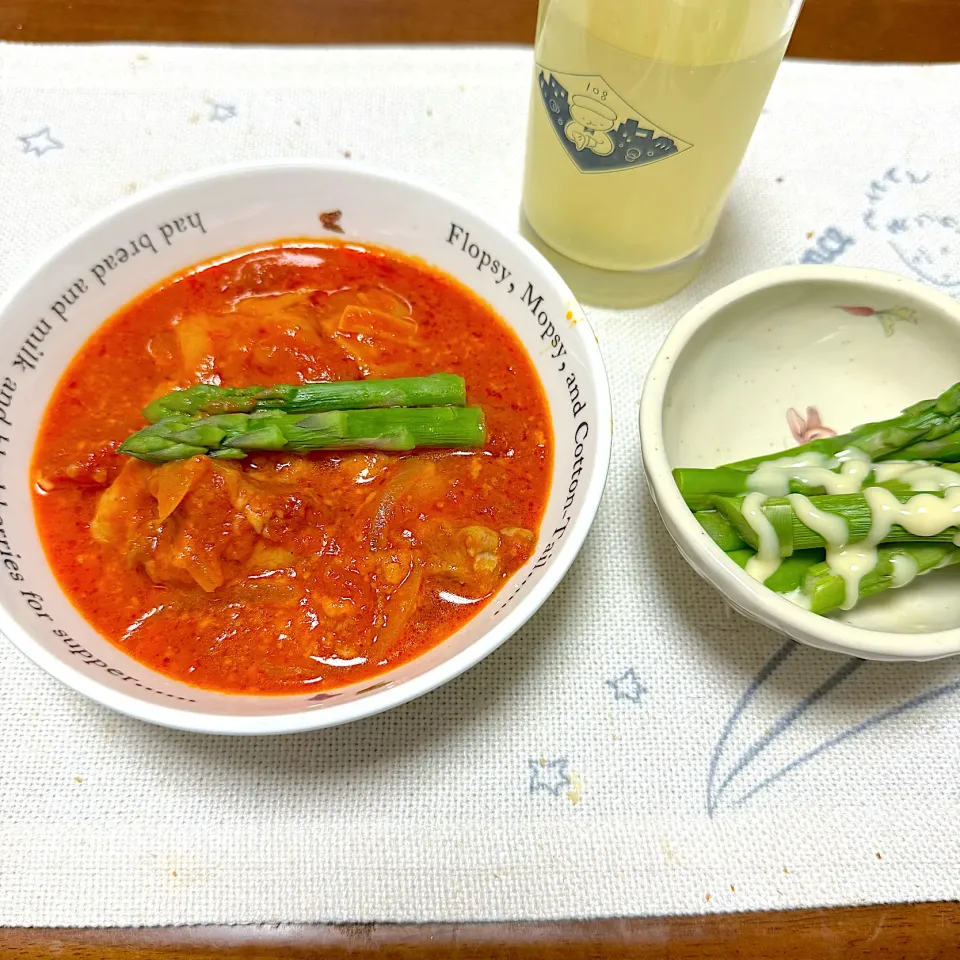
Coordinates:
283	574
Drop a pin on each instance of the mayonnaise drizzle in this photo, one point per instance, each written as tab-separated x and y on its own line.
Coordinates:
766	561
849	562
832	528
919	476
799	598
922	515
905	569
815	469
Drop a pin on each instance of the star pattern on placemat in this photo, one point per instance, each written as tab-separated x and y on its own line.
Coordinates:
40	142
222	112
627	687
550	776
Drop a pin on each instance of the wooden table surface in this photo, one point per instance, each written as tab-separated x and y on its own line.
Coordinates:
906	30
829	29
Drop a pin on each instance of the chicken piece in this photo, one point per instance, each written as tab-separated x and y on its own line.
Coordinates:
266	557
187	522
195	346
172	482
126	508
470	555
482	544
371	325
270	339
383	511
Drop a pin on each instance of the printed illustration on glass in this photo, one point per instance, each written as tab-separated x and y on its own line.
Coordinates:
600	131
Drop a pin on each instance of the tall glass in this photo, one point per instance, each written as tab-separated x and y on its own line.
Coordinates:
640	115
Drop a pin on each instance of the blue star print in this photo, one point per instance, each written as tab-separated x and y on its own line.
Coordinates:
549	775
222	112
40	142
627	687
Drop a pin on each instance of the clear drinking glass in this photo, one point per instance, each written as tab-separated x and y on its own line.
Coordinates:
640	115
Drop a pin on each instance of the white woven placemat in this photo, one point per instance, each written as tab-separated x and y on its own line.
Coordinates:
716	767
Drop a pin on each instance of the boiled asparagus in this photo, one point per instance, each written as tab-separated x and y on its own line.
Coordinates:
721	530
790	574
232	435
826	591
699	486
436	390
793	534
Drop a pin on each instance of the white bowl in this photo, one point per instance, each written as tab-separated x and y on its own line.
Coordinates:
242	206
719	391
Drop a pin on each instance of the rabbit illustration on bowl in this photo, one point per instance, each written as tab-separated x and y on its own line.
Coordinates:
809	428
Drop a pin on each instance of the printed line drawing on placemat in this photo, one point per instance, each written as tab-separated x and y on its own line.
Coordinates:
743	781
925	238
829	246
906	207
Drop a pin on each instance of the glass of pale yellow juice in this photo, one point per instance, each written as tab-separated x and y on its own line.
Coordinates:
640	114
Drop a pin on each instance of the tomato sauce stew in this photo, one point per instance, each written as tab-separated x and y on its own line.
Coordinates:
282	573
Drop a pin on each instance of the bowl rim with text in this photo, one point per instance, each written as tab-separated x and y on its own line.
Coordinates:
740	590
418	196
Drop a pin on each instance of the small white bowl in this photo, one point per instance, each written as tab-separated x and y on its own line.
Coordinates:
856	345
160	233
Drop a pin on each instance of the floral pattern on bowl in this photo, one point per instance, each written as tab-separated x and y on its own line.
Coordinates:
888	317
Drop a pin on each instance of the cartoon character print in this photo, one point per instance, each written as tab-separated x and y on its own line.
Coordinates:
597	128
590	126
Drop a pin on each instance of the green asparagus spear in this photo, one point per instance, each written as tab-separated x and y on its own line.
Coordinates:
827	592
699	487
808	571
928	420
436	390
232	435
945	449
794	534
790	574
722	531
